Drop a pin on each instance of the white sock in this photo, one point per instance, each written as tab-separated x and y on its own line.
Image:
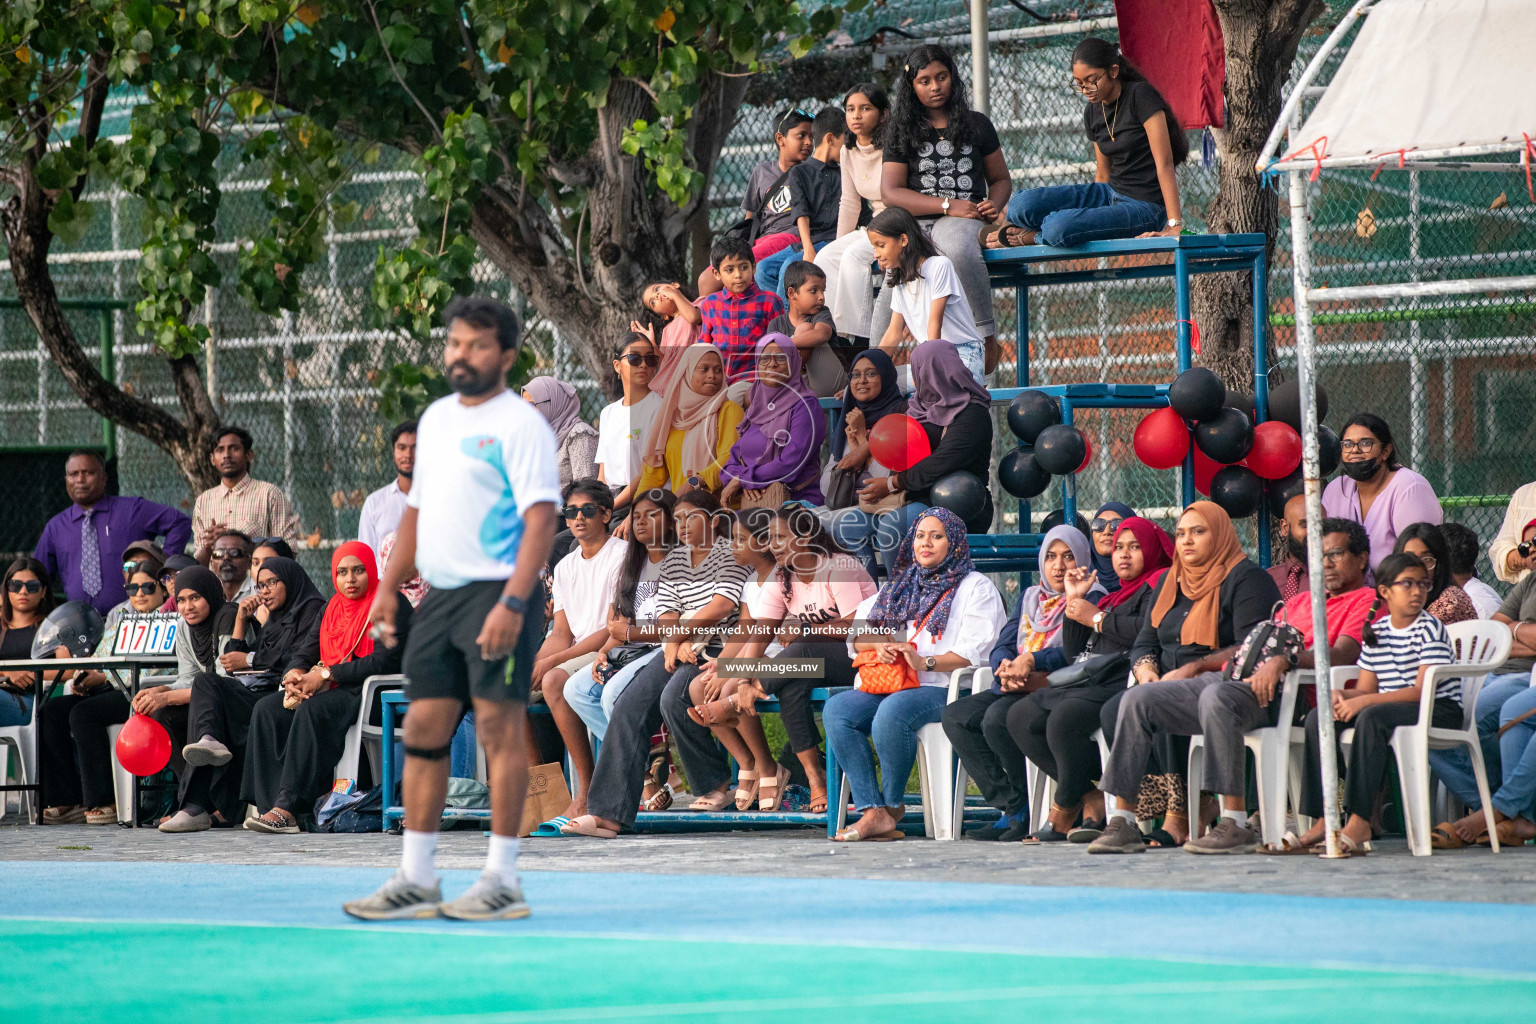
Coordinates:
501	859
416	859
1238	818
1129	817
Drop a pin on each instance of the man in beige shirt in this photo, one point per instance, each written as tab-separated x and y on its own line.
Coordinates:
239	501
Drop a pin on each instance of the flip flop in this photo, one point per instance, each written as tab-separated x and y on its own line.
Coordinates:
586	825
1043	836
1087	832
1290	845
851	835
1444	837
550	828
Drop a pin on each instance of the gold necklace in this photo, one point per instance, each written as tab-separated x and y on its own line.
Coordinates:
1109	122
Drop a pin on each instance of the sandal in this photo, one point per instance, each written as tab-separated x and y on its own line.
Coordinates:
101	816
770	792
1160	839
717	801
1507	834
721	713
1348	845
660	800
586	825
1290	844
1444	837
851	835
1044	835
551	828
63	815
275	822
746	790
1087	832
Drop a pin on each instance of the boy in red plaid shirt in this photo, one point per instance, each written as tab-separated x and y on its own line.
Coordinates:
738	315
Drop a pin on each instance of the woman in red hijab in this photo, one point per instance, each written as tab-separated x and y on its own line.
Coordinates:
298	733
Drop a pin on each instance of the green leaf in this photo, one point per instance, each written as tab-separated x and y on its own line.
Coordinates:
70	220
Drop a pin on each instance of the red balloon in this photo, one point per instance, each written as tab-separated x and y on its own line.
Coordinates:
143	746
1161	439
1087	454
1276	450
1205	468
898	442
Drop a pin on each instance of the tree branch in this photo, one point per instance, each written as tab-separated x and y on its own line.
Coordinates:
431	121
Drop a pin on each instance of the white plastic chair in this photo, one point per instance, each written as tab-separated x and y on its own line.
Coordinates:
362	736
943	798
24	739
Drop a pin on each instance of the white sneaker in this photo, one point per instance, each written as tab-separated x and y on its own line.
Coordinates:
488	900
397	899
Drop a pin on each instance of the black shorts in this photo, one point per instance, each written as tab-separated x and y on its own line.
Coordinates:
442	658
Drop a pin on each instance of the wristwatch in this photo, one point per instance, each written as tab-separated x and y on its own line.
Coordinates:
929	662
325	673
1174	222
515	605
945	207
1098	623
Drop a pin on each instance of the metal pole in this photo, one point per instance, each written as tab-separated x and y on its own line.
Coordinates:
981	93
1301	262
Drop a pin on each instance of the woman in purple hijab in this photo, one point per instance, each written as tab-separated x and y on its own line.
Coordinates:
780	439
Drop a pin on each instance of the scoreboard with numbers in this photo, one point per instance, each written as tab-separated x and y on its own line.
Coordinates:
154	633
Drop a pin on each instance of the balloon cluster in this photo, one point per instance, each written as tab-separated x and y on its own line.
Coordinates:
1047	446
898	442
1235	461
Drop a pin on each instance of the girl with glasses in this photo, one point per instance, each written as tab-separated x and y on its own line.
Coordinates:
622	424
575	440
1375	489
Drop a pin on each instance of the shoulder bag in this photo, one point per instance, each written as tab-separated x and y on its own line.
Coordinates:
874	676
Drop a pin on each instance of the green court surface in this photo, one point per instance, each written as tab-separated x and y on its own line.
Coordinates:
128	973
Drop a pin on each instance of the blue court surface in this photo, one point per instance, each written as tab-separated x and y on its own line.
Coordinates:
127	942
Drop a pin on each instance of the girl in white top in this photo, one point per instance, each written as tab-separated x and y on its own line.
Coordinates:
621	426
936	613
847	258
927	301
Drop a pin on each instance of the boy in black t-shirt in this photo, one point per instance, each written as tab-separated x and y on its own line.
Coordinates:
808	323
815	189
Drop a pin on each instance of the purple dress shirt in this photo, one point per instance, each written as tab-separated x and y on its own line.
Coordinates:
119	522
1407	499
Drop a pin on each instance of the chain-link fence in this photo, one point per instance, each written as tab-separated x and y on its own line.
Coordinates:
1457	383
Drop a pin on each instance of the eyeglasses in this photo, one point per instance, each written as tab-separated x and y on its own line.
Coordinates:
862	375
591	510
636	359
1091	82
1412	585
226	554
1103	523
268	586
135	589
1429	562
30	586
1364	446
1334	554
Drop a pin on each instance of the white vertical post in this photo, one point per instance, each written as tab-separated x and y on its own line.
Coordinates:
1418	435
981	90
1301	262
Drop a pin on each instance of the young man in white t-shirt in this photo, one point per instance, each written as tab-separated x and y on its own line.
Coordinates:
478	525
583	585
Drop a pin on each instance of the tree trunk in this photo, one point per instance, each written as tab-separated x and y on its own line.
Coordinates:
631	234
1260	38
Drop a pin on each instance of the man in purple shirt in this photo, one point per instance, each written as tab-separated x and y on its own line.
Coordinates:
83	546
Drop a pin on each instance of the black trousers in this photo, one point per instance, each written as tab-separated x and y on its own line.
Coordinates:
977	726
795	694
653	695
220	707
290	756
77	758
1366	771
1054	728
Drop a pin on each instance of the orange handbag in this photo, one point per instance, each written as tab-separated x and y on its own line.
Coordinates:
877	677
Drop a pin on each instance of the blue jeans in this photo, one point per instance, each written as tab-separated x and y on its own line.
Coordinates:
15	709
862	534
462	757
1516	795
1455	766
770	272
593	701
852	718
1068	215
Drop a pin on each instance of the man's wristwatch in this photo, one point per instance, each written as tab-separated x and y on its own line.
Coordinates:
945	207
929	663
513	604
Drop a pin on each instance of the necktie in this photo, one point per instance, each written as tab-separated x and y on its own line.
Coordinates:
90	556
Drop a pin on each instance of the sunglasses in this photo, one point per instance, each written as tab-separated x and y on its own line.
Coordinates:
129	568
135	589
591	510
30	586
636	359
1103	523
226	554
789	119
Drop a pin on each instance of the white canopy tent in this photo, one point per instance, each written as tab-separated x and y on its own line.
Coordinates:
1427	84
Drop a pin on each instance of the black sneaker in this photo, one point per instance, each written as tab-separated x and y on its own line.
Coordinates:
1120	836
1227	837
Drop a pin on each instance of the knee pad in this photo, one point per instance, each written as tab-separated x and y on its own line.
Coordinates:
429	753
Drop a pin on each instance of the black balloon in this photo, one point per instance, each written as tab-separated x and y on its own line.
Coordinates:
1241	402
1021	476
1197	393
1225	437
1060	449
962	493
1285	403
1237	489
1329	449
1283	490
1031	412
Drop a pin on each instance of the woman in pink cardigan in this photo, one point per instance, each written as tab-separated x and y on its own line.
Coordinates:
1376	490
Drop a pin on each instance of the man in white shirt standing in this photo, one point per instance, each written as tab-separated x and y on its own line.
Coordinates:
478	525
384	507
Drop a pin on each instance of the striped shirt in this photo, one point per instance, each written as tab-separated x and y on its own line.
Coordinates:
1398	653
684	588
254	507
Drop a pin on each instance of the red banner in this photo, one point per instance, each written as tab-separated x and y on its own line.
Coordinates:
1177	45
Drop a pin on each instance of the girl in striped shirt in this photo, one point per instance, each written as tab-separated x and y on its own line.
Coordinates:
1398	649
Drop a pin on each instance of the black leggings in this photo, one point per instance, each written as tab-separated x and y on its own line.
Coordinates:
77	759
1053	728
1366	771
795	694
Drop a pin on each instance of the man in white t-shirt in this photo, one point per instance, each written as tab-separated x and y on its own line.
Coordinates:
384	507
583	585
478	526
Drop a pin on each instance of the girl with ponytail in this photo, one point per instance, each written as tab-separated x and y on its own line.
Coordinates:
1137	144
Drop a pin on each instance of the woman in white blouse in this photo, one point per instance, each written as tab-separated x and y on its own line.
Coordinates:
938	614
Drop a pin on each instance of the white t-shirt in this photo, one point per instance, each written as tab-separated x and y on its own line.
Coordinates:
620	430
914	301
584	587
758	599
1484	598
976	617
479	469
645	591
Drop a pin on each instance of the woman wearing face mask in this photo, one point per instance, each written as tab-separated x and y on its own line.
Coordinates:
1375	489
